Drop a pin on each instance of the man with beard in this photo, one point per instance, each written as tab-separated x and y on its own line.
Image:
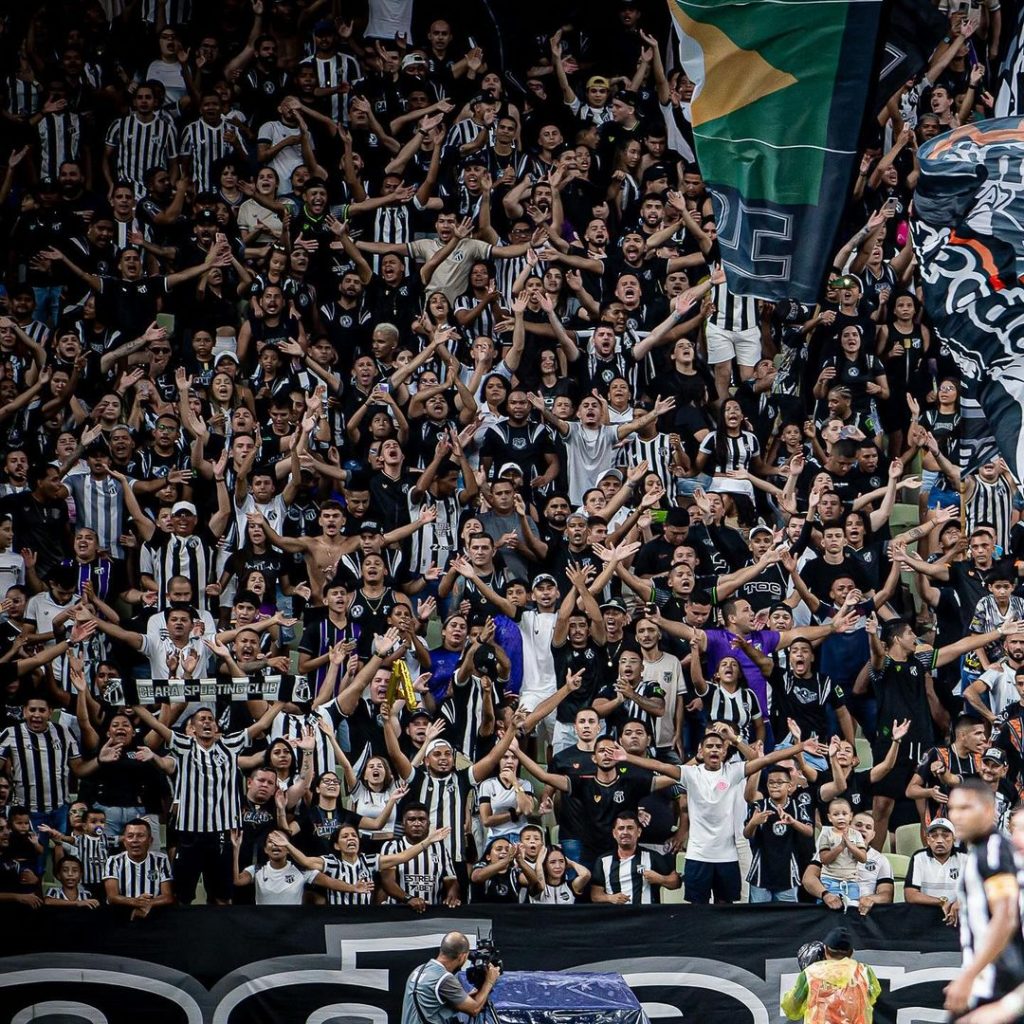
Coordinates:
518	440
418	883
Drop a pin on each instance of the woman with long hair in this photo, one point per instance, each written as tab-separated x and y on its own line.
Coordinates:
728	448
858	369
554	889
728	698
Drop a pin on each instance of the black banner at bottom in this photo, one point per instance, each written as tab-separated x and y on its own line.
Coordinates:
255	965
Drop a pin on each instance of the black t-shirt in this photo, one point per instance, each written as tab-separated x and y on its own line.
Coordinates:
859	791
819	575
601	802
571	659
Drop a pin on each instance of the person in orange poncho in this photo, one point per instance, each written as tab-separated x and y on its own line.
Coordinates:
836	990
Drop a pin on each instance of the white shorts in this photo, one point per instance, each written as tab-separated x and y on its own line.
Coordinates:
724	346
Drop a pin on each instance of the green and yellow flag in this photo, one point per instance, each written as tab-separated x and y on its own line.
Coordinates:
781	87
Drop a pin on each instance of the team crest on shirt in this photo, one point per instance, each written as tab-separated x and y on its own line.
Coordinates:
289	879
588	654
853	371
779	828
153	875
868	556
618	797
519	443
954	873
356	611
870	866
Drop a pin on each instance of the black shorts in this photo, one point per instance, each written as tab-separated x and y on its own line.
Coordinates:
703	880
893	785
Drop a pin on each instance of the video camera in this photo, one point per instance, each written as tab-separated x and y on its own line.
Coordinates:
479	959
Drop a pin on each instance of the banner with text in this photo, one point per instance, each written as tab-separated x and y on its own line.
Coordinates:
258	965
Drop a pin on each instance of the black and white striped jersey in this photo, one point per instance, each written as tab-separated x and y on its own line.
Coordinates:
205	144
424	875
445	798
616	875
208	793
140	145
732	312
138	878
363	869
332	72
39	764
60	139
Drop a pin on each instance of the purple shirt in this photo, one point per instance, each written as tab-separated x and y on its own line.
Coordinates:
720	646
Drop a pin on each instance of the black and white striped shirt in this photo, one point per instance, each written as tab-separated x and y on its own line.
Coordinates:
740	451
616	875
99	502
424	875
437	541
445	798
167	555
60	139
205	144
658	453
292	726
362	869
991	503
23	98
209	784
93	852
332	72
39	764
176	12
141	145
740	709
138	878
392	224
733	312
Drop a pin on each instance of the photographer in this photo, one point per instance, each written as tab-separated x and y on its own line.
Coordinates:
433	993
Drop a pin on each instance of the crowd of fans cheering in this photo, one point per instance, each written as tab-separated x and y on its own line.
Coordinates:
336	340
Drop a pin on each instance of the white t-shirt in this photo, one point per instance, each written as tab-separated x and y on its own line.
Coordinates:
668	674
284	160
591	453
279	886
501	800
388	17
1001	688
536	628
711	801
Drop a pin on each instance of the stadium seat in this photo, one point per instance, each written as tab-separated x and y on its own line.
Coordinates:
900	862
897	896
864	754
908	839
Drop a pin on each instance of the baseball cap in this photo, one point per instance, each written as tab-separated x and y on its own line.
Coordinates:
510	467
420	712
183	506
434	744
598	82
324	27
615	603
761	528
414	60
994	754
654	172
627	96
846	281
544	577
942	823
206	217
221	356
617	473
370	526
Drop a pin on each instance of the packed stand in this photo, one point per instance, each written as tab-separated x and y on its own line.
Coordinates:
398	507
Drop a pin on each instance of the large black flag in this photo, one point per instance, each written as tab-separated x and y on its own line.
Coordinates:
912	31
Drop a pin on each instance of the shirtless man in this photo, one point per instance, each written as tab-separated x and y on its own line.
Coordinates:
323	553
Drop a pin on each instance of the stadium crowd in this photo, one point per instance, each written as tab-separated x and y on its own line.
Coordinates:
336	340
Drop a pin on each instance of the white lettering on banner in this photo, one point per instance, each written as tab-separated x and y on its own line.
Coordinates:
367	992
